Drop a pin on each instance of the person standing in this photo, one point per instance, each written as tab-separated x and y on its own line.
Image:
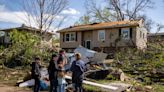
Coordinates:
77	68
62	55
52	70
61	76
36	75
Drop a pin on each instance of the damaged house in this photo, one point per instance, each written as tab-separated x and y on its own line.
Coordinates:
156	36
105	36
5	39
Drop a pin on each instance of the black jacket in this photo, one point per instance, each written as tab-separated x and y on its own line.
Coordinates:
52	70
35	71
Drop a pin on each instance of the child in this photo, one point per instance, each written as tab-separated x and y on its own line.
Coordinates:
61	77
36	73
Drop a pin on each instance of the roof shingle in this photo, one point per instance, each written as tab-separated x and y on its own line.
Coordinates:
104	25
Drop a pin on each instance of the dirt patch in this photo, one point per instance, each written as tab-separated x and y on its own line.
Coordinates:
7	88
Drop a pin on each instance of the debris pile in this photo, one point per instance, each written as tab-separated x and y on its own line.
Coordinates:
96	70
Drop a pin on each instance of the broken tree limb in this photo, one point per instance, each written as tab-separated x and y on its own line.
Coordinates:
97	85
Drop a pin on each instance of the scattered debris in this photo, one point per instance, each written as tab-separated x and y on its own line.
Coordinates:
97	70
122	86
97	74
92	56
27	83
110	88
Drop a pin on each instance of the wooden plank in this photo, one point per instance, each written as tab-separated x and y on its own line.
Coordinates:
97	85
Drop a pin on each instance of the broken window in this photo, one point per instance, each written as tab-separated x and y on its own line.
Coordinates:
125	33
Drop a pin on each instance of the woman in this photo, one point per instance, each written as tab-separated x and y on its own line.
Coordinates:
77	68
52	70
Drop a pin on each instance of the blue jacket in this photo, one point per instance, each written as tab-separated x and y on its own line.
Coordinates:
77	68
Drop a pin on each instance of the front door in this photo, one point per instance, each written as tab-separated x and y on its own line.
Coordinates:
88	44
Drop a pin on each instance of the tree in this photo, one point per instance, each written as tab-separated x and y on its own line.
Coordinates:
43	13
23	48
159	27
83	20
119	10
97	13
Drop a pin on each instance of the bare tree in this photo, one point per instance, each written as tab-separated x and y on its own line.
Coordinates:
147	22
119	10
85	19
42	13
159	28
97	13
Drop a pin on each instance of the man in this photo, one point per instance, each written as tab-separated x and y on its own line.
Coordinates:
52	70
77	68
36	73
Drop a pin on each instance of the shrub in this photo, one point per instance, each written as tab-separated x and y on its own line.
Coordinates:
146	62
24	47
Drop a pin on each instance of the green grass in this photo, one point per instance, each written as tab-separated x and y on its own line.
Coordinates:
158	88
89	88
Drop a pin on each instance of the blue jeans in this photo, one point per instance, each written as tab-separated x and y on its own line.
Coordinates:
78	87
61	88
37	85
53	85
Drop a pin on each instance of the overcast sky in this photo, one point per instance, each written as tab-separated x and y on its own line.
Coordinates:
11	14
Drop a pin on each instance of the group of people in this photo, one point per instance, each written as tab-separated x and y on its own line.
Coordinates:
57	72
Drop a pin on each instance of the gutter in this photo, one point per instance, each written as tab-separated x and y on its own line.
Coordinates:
95	28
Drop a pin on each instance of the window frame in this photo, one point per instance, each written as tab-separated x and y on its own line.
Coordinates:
141	34
2	33
103	35
122	32
70	37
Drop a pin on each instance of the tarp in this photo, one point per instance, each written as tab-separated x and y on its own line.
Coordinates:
90	55
85	52
44	74
27	83
99	58
70	59
43	85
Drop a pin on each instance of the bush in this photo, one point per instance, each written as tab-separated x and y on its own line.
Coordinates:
24	47
148	63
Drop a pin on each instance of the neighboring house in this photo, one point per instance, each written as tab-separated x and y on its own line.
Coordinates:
155	36
107	35
4	34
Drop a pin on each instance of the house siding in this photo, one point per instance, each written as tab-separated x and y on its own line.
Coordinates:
73	44
141	42
111	35
87	36
111	39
